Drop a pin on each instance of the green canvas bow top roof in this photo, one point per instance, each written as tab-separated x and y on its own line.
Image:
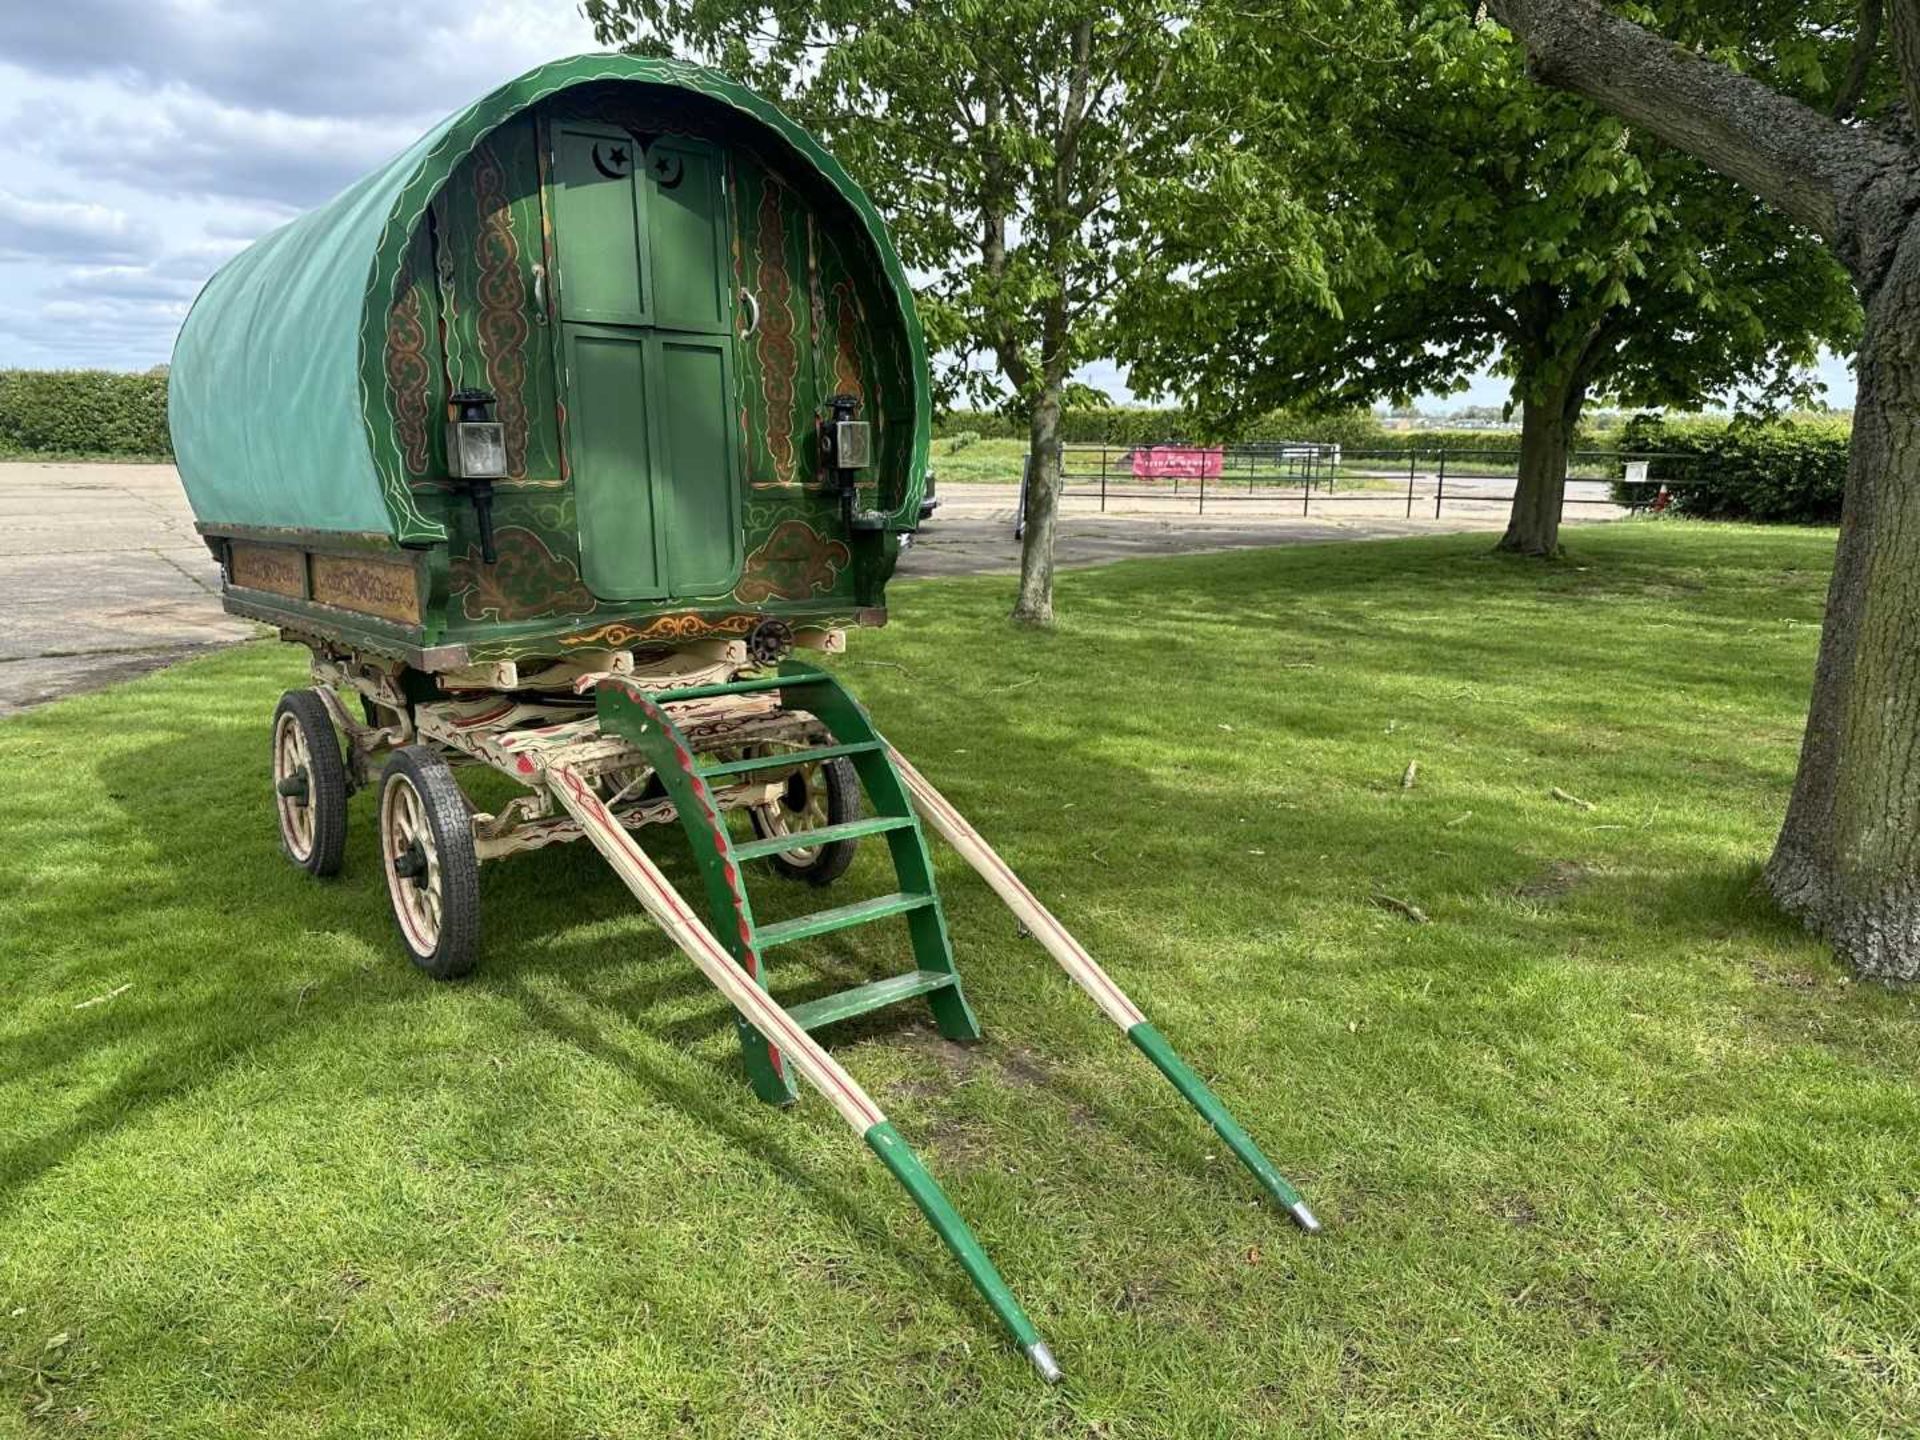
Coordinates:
277	400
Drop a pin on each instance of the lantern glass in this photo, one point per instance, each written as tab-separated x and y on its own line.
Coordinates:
852	444
477	449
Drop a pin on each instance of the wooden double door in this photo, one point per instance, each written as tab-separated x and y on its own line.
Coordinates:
645	331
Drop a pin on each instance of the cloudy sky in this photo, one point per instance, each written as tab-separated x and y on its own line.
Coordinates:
142	142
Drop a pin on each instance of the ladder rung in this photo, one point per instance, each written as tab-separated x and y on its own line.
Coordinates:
845	1004
736	687
825	921
824	835
792	757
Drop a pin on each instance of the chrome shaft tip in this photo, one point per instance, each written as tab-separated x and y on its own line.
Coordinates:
1304	1217
1043	1361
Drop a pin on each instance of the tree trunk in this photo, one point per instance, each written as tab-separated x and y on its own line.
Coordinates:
1847	862
1547	423
1848	858
1034	606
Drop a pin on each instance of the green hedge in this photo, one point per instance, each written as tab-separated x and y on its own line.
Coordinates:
84	412
1784	471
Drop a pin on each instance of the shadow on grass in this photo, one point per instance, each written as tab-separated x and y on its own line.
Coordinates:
191	1043
1143	721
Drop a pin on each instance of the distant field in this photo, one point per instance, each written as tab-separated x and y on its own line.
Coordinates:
995	461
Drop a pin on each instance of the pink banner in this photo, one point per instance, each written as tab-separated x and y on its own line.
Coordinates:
1181	462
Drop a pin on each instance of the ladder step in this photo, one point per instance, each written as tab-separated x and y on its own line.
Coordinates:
748	686
826	921
845	1004
824	835
792	757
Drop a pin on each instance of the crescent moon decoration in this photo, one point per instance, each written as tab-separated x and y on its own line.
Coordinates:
616	163
668	169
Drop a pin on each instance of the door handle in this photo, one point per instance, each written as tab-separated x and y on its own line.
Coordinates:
540	293
753	312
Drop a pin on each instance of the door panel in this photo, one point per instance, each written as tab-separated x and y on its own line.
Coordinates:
611	455
696	467
645	317
598	226
686	239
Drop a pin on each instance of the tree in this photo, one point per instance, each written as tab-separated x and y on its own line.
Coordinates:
1848	858
1011	147
1475	219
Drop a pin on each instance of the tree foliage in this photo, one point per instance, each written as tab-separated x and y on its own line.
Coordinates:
1018	149
1474	219
1782	470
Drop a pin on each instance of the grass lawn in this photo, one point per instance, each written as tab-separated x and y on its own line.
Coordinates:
1606	1148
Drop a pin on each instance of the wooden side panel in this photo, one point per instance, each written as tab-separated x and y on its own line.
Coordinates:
487	227
387	588
276	569
414	366
779	395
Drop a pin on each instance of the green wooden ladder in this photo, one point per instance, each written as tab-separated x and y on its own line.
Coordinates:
639	718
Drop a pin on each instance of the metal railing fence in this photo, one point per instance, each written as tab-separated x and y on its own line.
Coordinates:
1326	478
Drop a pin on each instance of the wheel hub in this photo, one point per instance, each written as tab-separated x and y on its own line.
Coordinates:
411	864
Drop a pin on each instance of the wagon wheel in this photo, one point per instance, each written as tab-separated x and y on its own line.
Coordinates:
309	783
433	876
824	793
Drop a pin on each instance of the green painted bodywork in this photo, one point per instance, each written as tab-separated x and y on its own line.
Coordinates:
310	381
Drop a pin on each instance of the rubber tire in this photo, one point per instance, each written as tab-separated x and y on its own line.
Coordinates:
458	950
843	804
326	783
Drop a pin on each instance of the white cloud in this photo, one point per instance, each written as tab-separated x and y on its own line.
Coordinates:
185	145
77	229
380	59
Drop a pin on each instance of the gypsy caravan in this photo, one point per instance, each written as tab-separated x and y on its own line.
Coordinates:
555	441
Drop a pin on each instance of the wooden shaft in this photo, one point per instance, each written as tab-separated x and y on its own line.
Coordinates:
677	918
1080	966
816	1066
1113	1002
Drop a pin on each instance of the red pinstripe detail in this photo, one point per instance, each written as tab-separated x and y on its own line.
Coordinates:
723	847
485	718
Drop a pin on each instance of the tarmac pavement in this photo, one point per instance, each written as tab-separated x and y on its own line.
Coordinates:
103	578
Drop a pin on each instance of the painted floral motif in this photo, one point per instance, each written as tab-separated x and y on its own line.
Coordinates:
687	626
795	562
527	582
774	345
847	337
503	303
408	375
